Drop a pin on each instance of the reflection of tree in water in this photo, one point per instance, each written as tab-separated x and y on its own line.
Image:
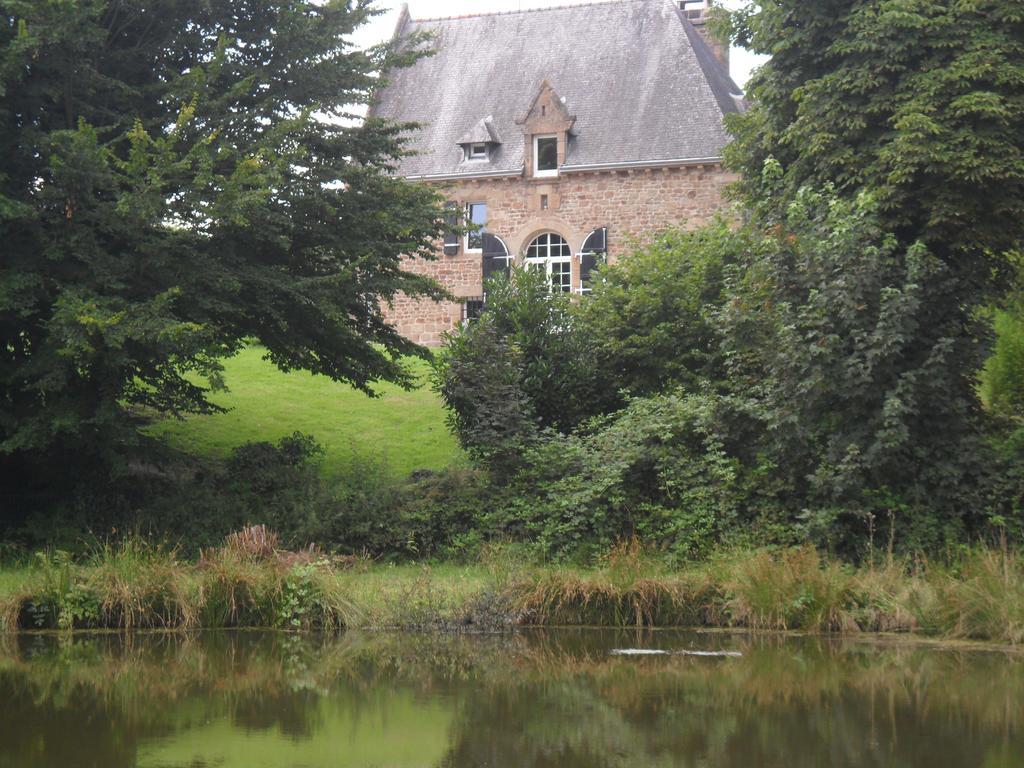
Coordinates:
679	714
554	699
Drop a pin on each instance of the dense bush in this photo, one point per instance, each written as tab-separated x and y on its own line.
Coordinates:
651	323
523	367
430	515
870	410
661	470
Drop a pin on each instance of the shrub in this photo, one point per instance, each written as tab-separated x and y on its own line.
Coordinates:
429	515
479	375
658	470
260	483
650	321
523	367
1002	378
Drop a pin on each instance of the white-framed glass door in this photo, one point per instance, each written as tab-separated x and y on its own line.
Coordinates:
550	253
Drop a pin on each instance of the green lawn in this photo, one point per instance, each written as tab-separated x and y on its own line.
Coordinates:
405	429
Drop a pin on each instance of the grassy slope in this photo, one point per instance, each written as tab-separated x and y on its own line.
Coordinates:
404	429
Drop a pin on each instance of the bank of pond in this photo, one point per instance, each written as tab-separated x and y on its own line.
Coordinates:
250	582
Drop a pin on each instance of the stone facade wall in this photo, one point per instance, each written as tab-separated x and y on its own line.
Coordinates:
632	204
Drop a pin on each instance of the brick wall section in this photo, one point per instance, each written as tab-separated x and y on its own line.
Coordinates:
633	204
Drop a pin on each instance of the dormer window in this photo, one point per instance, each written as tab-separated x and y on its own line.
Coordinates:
546	131
479	141
545	156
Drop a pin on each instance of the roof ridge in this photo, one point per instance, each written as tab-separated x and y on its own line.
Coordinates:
561	7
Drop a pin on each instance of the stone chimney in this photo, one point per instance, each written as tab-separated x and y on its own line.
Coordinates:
697	12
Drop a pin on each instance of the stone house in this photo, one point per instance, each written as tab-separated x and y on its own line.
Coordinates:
564	133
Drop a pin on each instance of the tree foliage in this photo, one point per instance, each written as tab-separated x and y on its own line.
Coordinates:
178	177
1002	379
919	101
814	392
659	469
868	408
921	106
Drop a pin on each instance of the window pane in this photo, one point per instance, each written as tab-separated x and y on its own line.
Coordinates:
476	213
561	276
472	309
547	154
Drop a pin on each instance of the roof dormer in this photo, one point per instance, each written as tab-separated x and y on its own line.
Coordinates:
479	141
546	128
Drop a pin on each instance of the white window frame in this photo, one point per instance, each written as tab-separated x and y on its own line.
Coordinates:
480	232
537	172
547	260
477	152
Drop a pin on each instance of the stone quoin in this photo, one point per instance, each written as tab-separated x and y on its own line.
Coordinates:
563	134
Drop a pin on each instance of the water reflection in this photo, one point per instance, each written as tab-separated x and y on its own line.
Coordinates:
546	699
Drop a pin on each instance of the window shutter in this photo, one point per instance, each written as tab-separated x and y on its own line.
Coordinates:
594	252
496	258
451	238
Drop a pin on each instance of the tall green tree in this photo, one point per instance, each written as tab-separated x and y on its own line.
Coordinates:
919	106
179	177
920	101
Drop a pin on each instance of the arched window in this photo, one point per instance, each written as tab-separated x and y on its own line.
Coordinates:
551	255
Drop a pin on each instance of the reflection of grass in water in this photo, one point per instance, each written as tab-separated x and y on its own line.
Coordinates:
396	729
560	691
772	670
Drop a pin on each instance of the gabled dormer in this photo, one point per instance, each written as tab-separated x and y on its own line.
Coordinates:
546	129
480	141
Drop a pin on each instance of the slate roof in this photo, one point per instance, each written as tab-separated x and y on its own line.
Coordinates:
642	83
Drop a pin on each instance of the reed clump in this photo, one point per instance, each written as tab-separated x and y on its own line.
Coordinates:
793	589
248	582
632	588
982	598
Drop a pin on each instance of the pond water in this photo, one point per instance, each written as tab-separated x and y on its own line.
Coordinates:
557	698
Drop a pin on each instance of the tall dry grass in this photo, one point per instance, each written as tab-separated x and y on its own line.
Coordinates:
980	597
245	583
249	582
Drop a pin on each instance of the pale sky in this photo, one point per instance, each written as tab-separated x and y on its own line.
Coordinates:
382	27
